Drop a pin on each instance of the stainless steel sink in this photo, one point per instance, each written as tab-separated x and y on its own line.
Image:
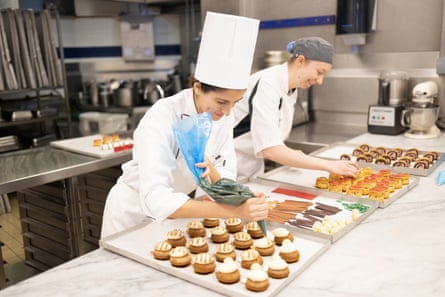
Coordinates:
306	147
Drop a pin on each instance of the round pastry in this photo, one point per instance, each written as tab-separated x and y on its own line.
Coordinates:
411	154
421	164
176	237
265	246
392	154
387	159
289	252
434	154
380	161
162	250
257	279
180	256
97	142
399	151
355	190
413	150
381	150
228	272
254	230
242	240
234	225
106	139
210	222
322	182
219	234
204	263
400	163
430	157
278	268
225	250
198	245
369	157
281	234
345	157
407	160
357	152
196	229
375	154
249	257
362	158
365	171
365	147
115	138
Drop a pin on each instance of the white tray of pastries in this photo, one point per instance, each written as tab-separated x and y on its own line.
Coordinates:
152	241
410	160
324	214
307	180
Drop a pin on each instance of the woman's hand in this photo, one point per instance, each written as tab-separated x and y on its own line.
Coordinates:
210	171
253	209
343	167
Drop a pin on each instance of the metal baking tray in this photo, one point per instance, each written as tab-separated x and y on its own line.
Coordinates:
306	178
268	186
335	150
137	243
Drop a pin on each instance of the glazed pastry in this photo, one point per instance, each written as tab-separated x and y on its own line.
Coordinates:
97	142
219	234
281	234
430	157
234	225
254	230
404	177
180	256
321	182
257	279
115	138
399	151
278	268
264	246
387	159
228	272
380	161
106	139
162	250
210	222
225	250
196	229
176	238
369	157
413	150
434	154
249	257
411	154
204	263
361	158
198	245
289	252
242	240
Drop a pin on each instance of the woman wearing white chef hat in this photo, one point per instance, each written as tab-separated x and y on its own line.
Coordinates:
265	115
155	183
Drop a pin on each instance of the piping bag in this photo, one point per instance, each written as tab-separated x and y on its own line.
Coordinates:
441	178
192	134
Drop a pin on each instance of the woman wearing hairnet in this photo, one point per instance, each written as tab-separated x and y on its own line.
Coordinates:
267	109
156	182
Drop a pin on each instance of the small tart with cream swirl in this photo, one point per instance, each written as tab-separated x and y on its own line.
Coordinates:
289	252
219	234
257	279
228	272
265	246
278	268
281	234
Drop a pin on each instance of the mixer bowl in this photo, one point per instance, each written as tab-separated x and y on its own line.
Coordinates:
420	119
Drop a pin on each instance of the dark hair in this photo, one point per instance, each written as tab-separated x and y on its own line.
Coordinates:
208	88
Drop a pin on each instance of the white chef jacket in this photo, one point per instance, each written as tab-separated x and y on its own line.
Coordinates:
272	116
156	181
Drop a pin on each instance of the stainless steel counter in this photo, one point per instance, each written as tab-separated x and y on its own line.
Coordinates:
311	136
32	167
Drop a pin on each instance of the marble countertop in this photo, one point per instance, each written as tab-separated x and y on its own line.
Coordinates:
397	251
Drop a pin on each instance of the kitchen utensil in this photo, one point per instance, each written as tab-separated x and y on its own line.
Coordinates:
153	92
421	121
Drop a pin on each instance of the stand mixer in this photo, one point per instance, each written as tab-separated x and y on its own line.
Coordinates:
421	115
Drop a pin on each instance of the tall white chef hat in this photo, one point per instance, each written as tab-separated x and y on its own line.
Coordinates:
226	50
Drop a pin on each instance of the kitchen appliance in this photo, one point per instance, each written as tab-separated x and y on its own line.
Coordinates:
421	115
386	116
